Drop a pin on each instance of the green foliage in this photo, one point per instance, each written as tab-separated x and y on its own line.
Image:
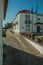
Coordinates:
30	35
33	36
41	37
8	25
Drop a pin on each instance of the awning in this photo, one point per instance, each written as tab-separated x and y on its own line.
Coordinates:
38	23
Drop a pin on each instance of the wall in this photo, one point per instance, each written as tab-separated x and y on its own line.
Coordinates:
1	23
1	43
32	26
34	21
41	20
22	26
22	23
18	20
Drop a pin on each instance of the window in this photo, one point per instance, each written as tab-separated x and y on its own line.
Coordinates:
22	27
41	28
27	17
38	18
27	28
17	26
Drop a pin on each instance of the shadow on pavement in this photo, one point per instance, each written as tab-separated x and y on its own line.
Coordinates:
18	57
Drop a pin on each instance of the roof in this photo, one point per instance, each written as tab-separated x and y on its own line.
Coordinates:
23	11
5	7
40	14
27	11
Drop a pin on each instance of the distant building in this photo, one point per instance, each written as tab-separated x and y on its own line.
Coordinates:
3	7
26	22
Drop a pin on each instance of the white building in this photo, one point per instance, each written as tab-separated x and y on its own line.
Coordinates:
3	6
26	22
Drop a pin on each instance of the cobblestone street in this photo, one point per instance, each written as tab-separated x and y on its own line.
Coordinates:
19	52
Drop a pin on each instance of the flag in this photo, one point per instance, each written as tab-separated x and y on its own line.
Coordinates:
32	10
36	11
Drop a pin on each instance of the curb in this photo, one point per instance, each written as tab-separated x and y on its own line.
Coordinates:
39	48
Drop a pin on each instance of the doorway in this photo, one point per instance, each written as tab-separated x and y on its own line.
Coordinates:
27	28
38	29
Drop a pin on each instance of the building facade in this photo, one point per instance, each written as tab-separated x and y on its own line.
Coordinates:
26	22
3	6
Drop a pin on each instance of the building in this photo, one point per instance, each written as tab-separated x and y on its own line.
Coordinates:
26	22
3	7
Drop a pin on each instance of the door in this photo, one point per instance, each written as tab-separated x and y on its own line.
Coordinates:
38	29
27	28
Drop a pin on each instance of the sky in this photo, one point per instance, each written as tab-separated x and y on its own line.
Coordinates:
14	6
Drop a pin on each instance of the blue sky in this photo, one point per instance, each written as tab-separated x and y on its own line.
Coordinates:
16	5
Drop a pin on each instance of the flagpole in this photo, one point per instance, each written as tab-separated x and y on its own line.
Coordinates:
32	18
37	11
32	22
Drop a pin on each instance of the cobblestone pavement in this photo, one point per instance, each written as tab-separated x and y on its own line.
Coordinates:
18	51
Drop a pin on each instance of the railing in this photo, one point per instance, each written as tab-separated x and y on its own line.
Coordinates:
27	22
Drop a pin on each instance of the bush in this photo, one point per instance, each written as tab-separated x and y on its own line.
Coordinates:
33	36
29	35
41	38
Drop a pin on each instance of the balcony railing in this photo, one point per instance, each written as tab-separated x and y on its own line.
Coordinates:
27	22
38	23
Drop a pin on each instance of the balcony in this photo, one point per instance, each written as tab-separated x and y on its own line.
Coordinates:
38	23
27	22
